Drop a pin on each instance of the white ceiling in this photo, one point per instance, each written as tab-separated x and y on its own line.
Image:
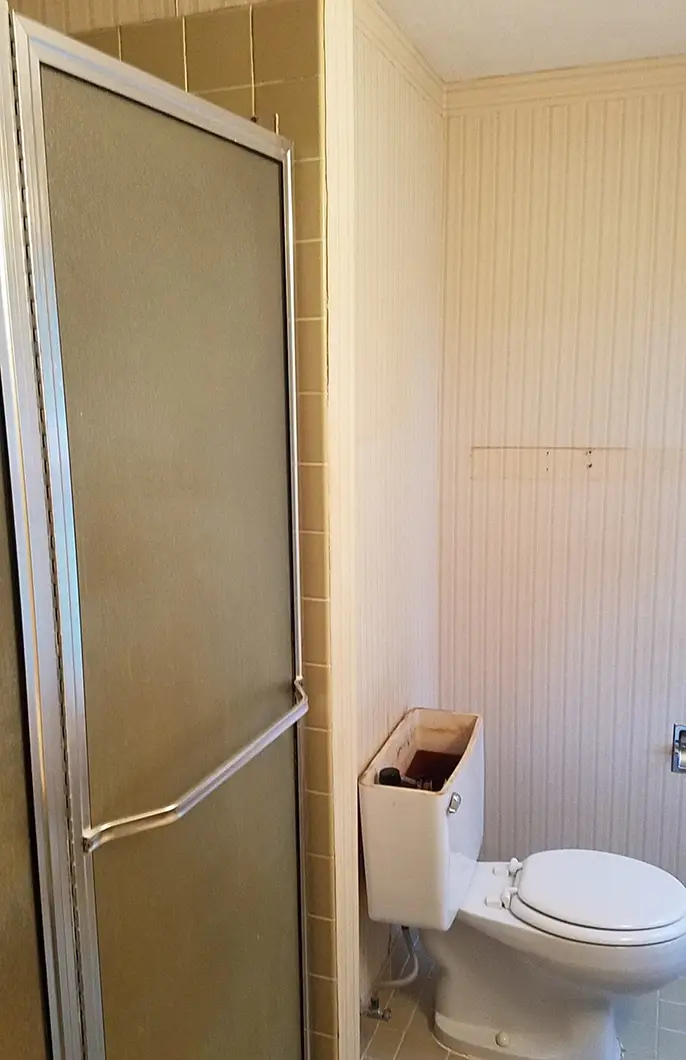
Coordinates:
479	38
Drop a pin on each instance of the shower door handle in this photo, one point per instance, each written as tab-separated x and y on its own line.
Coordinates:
174	811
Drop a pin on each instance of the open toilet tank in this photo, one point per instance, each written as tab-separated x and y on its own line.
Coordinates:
421	847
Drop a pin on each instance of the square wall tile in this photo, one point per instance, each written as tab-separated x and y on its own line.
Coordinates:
318	825
314	556
317	759
316	631
286	40
312	431
309	279
194	7
126	11
314	504
323	1047
218	49
321	900
104	40
323	1006
317	684
84	14
321	946
297	104
156	47
308	196
55	15
311	355
237	100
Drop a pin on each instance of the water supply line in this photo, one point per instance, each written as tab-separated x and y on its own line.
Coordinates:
405	980
374	1011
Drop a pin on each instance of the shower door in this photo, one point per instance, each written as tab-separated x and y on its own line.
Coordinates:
148	390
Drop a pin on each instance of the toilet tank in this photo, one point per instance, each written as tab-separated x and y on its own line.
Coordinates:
421	847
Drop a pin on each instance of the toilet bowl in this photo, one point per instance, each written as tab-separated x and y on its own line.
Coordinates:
531	954
536	992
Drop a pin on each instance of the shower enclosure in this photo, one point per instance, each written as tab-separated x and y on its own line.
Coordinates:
150	581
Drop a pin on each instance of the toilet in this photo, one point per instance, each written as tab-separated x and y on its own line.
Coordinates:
533	953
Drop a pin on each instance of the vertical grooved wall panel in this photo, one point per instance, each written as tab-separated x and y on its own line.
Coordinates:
399	188
564	510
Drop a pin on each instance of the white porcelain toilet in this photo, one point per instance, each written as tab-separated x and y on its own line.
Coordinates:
532	954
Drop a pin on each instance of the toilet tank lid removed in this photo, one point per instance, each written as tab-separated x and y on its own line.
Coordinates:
595	889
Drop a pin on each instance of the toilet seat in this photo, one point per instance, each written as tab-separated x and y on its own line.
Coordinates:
597	898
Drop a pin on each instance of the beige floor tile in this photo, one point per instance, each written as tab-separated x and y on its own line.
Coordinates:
403	1006
640	1038
673	1017
367	1028
676	991
415	1047
384	1044
671	1046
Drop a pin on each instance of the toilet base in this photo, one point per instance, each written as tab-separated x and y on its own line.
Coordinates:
493	1002
479	1043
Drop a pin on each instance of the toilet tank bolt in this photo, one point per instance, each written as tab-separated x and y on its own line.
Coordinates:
502	1039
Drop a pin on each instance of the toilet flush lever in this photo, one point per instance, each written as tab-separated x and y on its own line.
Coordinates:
454	804
679	749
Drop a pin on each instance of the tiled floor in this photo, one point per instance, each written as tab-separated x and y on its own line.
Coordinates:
651	1028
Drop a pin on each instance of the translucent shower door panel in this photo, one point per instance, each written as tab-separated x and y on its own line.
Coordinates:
198	927
169	275
168	255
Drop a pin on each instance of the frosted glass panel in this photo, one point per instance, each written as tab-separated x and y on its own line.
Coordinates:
198	927
169	273
168	253
22	1020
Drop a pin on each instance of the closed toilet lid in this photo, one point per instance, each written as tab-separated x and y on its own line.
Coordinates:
600	891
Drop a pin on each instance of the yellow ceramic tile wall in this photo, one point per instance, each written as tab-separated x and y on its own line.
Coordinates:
308	198
156	47
286	40
317	681
209	52
105	40
322	949
320	886
237	100
297	105
218	49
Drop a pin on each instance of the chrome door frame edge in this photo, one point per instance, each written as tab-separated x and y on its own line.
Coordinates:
33	551
35	46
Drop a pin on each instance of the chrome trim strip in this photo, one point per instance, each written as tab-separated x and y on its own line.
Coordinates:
21	399
86	1004
175	811
289	252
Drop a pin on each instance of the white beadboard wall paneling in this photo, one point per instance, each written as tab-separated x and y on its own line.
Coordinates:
399	171
399	231
564	411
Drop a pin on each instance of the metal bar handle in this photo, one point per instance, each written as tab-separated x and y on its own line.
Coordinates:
145	822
